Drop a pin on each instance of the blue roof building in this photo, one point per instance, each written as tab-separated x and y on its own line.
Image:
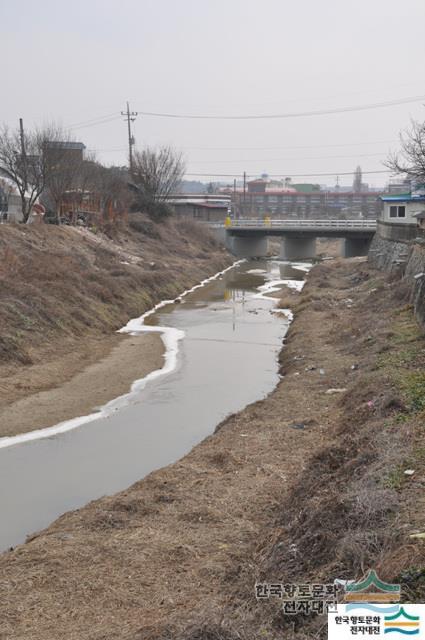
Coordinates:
403	208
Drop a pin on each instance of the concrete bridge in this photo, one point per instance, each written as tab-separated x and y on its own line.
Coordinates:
249	238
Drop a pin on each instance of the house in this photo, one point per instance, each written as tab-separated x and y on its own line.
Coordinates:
11	205
420	217
401	215
64	152
78	206
403	208
208	208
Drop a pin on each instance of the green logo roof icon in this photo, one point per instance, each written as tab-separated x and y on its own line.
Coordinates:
372	580
401	613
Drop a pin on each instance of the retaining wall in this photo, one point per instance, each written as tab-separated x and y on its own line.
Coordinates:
402	252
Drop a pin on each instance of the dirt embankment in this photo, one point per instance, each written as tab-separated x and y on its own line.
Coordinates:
63	294
305	486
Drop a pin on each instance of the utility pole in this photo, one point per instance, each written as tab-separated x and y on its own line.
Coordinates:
24	166
130	116
21	133
244	193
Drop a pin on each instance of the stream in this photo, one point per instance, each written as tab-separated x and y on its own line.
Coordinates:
228	336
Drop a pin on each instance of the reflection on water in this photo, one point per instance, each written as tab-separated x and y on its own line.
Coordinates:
289	271
227	359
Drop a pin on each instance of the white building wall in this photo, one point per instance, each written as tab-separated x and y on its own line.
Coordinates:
14	204
410	209
14	213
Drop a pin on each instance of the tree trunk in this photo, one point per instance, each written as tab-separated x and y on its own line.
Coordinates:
25	210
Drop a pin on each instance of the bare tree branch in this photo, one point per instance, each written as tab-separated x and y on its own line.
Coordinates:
111	185
38	164
157	174
410	160
65	169
26	170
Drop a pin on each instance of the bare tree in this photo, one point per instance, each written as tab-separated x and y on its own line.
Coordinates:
65	169
38	162
111	185
22	161
410	160
79	181
157	174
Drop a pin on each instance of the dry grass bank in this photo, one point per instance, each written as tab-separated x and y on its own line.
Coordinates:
176	556
65	291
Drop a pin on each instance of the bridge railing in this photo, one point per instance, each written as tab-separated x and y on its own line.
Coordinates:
297	224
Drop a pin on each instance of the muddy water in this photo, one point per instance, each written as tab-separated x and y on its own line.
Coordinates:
227	359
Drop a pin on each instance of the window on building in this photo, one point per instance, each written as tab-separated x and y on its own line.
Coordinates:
397	211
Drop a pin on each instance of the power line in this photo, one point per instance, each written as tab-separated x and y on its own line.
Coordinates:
90	120
299	114
285	175
364	155
319	146
324	146
112	149
314	97
95	123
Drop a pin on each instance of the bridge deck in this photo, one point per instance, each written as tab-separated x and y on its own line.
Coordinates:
336	228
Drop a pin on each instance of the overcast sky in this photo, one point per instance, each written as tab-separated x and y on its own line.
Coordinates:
78	61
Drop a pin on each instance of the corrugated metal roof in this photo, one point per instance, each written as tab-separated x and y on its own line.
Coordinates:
199	203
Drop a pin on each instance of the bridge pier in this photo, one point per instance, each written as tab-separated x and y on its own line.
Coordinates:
297	248
251	247
223	237
247	238
352	247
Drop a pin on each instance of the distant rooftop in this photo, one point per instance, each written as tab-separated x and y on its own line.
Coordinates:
207	203
57	144
306	187
403	197
200	196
